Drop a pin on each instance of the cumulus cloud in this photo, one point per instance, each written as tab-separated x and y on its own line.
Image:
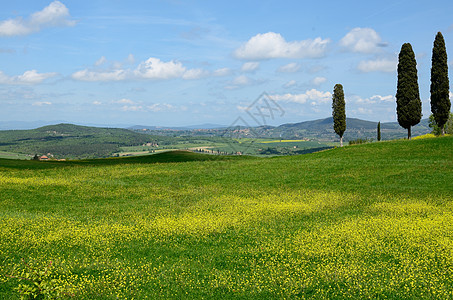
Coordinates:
250	66
289	68
152	69
361	40
56	14
310	95
388	98
378	65
273	45
374	99
318	80
29	77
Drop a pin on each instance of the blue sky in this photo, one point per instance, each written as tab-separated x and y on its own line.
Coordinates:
175	63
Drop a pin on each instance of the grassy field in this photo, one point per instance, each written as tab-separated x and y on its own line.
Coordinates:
246	146
368	221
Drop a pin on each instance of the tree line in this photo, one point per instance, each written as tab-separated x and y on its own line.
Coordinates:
408	103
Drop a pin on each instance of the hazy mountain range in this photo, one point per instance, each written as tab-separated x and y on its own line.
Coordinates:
321	129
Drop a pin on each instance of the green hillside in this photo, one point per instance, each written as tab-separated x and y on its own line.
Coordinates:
371	221
163	157
69	141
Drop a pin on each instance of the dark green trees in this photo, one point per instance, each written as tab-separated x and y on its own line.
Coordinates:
379	131
436	130
440	98
408	104
338	111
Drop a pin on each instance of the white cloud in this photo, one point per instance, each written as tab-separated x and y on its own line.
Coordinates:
97	102
132	108
56	14
378	65
373	99
250	66
310	95
289	68
195	74
42	103
318	80
222	72
154	68
273	45
124	101
29	77
33	77
157	107
361	40
388	98
87	75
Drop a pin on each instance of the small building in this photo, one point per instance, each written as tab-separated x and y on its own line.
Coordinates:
43	157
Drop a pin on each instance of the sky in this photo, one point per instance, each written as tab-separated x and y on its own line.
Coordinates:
179	63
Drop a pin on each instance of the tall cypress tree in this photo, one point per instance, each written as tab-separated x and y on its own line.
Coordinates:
379	131
338	112
440	94
408	104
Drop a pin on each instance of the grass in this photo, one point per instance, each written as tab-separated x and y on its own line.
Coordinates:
368	221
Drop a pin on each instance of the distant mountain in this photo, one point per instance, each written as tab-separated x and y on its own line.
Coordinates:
190	127
355	128
206	126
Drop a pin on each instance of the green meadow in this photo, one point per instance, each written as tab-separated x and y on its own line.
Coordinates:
372	221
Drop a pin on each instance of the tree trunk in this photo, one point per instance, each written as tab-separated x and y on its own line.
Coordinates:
443	130
341	141
409	133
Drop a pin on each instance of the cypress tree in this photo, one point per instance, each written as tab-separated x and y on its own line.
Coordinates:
408	104
440	94
379	131
338	112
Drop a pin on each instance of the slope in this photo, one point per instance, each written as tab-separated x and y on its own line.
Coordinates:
367	221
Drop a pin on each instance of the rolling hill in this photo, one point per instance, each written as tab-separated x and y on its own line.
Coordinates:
74	141
70	141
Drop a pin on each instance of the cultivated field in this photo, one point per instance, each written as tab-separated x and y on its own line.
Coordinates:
367	221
